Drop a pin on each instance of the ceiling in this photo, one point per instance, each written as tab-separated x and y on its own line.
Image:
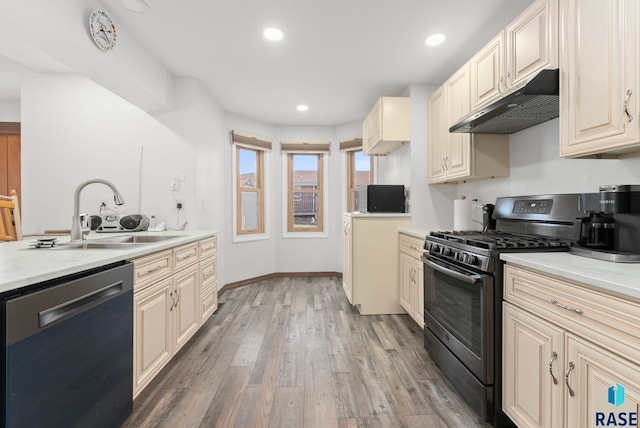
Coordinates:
337	56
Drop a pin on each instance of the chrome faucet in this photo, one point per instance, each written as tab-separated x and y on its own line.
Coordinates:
80	227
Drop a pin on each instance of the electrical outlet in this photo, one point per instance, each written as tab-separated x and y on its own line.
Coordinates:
175	183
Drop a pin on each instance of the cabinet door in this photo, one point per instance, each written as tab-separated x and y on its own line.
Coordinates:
420	289
458	148
187	307
372	128
406	283
596	374
531	43
598	63
438	135
153	324
532	370
485	72
347	259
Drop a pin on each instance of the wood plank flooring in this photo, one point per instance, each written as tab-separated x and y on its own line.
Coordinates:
292	352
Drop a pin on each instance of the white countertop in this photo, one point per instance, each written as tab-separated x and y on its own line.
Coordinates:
416	232
620	278
359	214
21	265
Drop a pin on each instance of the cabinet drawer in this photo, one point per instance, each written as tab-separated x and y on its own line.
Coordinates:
208	247
185	255
208	270
150	268
412	246
571	301
209	303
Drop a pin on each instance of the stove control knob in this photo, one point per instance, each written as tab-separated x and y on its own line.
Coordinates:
445	251
433	248
469	259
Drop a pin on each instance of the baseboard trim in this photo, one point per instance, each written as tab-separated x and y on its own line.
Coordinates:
274	275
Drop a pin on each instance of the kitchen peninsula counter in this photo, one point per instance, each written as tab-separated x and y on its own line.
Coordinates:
622	279
22	265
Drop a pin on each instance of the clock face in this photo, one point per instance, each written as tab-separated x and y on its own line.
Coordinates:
102	30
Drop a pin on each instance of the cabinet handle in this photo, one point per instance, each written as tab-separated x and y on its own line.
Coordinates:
173	301
565	307
185	257
553	358
152	270
566	377
178	300
500	82
207	275
626	105
210	247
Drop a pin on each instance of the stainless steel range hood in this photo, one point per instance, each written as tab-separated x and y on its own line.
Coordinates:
536	102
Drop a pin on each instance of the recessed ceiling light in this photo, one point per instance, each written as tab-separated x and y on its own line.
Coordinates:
434	39
136	5
273	33
302	107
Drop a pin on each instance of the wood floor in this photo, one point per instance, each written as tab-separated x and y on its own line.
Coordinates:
293	353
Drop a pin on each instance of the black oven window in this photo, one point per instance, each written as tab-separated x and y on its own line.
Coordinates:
457	306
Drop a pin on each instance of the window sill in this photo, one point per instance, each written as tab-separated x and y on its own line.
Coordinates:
251	237
298	235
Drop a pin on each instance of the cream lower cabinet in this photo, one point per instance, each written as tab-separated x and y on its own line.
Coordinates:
371	262
173	294
412	277
599	79
347	258
566	348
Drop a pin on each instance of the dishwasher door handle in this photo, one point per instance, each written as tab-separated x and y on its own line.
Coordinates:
72	307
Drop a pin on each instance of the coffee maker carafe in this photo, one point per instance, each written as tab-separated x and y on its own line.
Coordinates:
596	231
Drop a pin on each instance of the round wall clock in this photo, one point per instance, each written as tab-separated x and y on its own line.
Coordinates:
102	30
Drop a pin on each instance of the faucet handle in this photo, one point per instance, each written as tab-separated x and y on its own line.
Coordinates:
85	225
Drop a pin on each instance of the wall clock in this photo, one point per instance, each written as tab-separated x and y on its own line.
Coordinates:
102	30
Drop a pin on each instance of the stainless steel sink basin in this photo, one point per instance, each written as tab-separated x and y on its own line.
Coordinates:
140	239
96	245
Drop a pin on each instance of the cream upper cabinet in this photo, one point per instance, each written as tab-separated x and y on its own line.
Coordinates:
455	157
512	58
486	73
387	127
565	347
600	81
458	152
531	43
438	135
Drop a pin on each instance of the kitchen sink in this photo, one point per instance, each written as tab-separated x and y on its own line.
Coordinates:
135	239
96	245
113	242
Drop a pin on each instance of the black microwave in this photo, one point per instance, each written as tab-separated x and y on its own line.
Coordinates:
380	198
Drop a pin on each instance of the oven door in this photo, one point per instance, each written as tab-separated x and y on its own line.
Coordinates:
458	309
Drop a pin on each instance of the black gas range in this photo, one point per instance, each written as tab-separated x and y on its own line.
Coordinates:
463	290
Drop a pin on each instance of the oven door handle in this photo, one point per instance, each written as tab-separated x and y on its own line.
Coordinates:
471	279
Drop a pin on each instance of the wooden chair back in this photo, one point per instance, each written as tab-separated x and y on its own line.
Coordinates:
10	222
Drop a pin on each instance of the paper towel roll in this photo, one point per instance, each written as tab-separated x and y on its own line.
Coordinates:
462	214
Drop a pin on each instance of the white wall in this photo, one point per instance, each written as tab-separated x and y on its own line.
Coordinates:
9	112
536	168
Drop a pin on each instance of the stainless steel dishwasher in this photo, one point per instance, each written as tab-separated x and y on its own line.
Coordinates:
68	351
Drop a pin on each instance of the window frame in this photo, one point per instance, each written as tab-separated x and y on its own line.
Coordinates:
320	230
351	174
260	232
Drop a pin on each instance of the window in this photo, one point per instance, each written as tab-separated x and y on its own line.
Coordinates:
305	192
359	173
249	177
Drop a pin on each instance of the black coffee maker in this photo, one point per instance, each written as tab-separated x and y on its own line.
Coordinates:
611	228
597	231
